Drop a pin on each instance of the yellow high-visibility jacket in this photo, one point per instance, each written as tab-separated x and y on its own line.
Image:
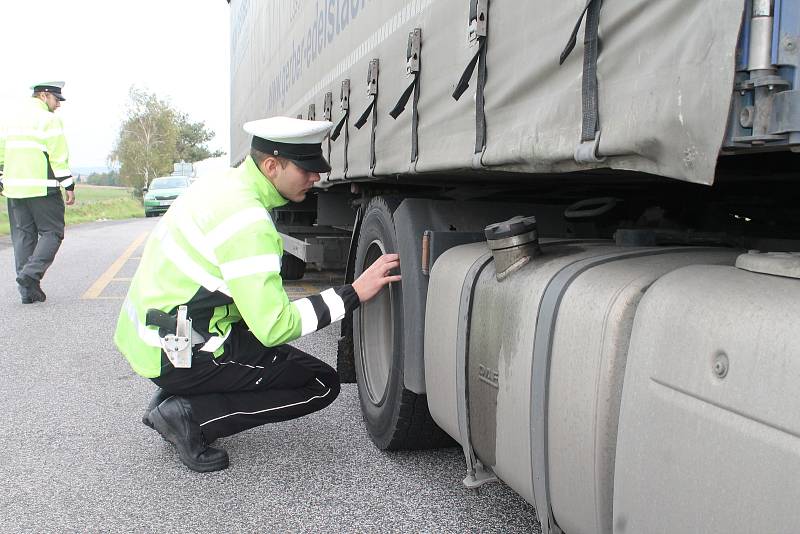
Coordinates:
33	152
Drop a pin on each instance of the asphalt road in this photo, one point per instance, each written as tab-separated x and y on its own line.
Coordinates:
76	457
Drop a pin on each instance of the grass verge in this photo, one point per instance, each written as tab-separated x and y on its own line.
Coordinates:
92	203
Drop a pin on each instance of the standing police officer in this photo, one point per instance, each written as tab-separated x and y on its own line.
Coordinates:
35	163
206	317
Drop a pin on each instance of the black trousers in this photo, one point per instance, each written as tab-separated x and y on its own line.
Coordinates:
250	385
37	229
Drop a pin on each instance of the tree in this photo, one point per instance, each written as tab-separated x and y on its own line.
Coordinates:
192	139
147	139
103	178
154	136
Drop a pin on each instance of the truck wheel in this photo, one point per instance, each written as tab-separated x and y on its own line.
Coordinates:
345	363
292	267
396	418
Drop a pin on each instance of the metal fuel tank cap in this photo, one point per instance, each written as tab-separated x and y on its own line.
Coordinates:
513	243
513	227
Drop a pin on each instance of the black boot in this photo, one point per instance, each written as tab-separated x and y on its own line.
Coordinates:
158	397
23	293
30	290
173	420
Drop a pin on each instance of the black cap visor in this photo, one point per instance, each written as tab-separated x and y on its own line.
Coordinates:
306	156
52	89
317	164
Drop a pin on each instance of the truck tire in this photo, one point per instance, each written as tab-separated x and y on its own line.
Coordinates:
345	362
292	267
396	418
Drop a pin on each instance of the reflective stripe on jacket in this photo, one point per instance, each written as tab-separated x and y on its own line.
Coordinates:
33	152
216	250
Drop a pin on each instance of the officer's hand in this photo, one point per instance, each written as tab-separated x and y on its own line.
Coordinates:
377	276
70	198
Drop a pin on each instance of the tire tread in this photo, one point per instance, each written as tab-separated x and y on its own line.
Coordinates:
415	428
292	268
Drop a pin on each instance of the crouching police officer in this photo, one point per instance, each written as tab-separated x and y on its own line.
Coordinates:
206	317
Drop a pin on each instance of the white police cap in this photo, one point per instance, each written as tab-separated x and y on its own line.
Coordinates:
297	140
53	88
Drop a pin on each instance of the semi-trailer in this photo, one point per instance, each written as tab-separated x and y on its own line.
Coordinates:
596	207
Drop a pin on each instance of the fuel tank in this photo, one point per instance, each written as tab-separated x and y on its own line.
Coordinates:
526	372
709	430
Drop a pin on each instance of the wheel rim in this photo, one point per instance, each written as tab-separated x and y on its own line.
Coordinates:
376	335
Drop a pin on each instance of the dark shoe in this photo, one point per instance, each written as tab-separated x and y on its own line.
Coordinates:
39	296
173	420
30	290
24	295
158	397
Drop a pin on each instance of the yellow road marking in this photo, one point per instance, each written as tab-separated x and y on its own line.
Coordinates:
105	278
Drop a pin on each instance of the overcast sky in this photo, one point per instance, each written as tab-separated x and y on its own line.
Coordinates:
178	49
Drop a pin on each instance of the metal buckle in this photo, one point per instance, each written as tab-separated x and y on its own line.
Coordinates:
588	151
413	51
328	106
344	95
478	19
372	78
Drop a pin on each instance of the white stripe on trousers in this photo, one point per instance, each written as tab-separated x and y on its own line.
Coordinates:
271	409
242	364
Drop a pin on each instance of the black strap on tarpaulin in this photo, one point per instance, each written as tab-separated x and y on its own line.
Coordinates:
362	120
413	88
372	134
327	114
591	121
415	122
338	129
372	90
480	114
335	135
463	82
344	101
401	104
478	23
413	67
